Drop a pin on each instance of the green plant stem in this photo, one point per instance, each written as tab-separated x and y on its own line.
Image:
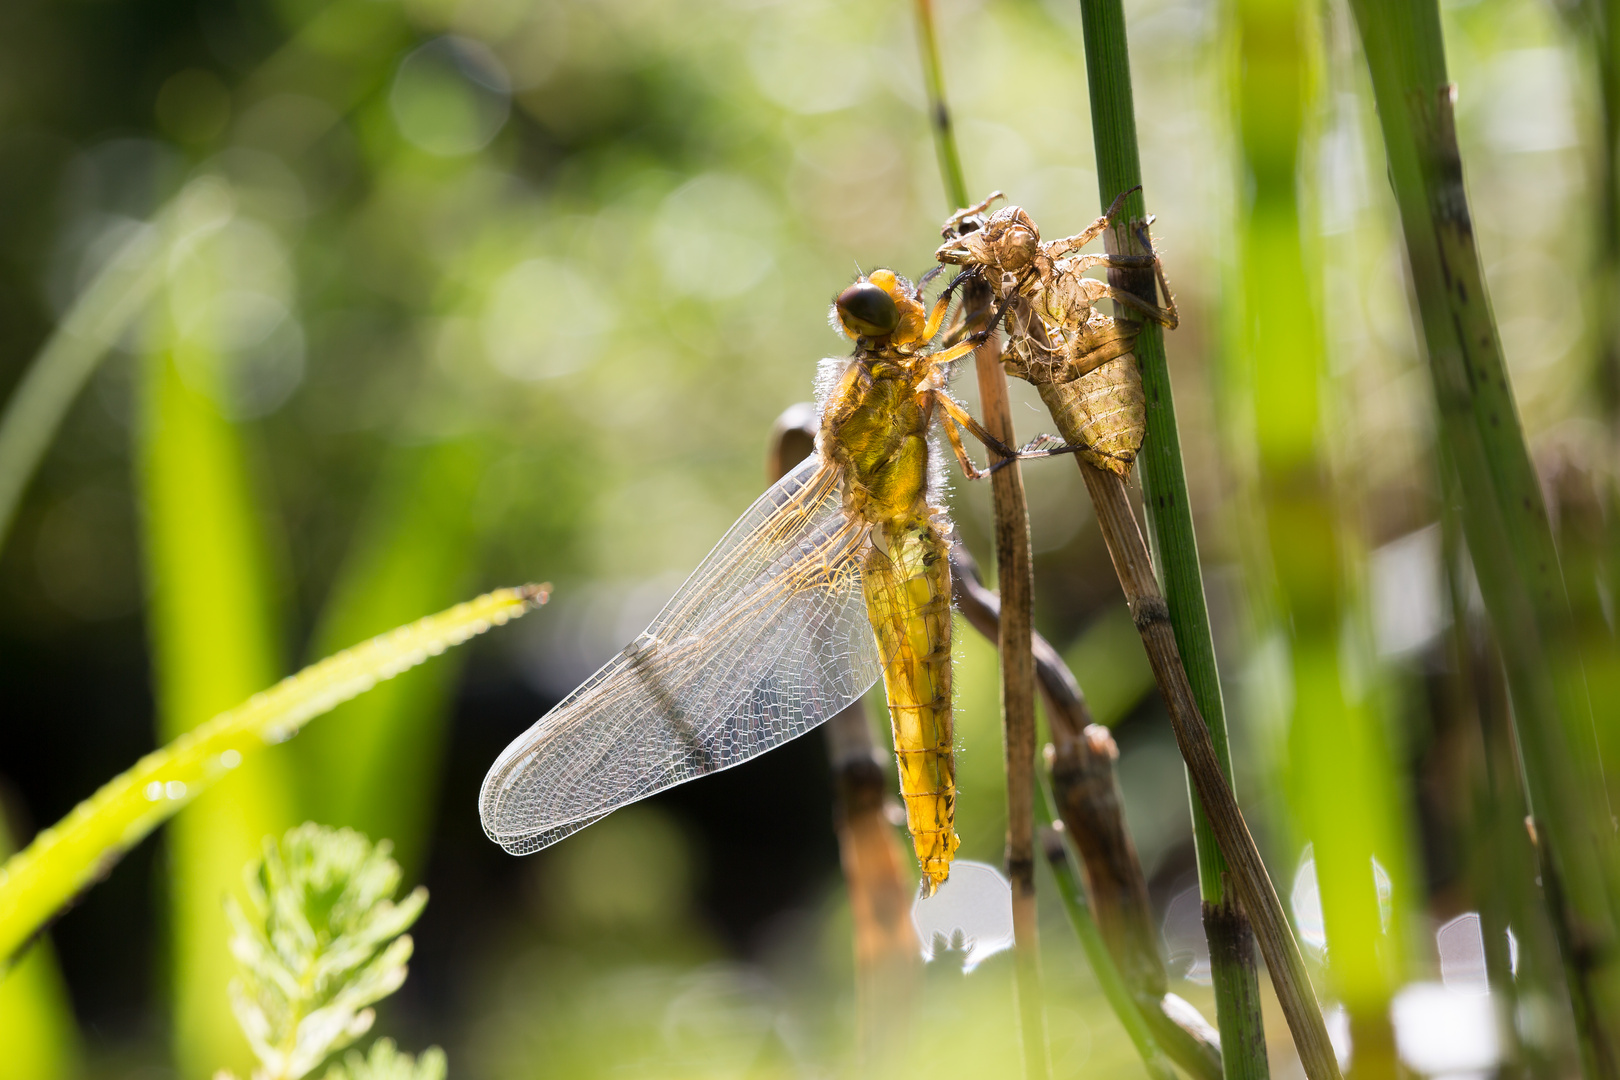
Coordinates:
1501	857
1015	576
80	849
939	114
1102	963
1170	526
1504	516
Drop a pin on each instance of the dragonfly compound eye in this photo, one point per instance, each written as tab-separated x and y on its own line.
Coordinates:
867	311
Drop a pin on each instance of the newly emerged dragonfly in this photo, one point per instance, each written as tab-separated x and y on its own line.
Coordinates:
1078	358
836	576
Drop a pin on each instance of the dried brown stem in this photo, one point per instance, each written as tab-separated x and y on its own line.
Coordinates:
1015	572
1246	873
1086	787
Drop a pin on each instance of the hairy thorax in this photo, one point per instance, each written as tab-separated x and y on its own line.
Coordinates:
876	427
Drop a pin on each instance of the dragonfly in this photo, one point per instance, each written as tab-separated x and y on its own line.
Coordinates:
837	576
1079	359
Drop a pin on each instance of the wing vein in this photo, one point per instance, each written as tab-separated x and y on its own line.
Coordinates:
765	640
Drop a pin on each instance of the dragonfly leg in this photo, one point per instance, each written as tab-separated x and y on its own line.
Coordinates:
955	414
941	306
961	346
954	434
1056	249
955	411
1043	446
1010	290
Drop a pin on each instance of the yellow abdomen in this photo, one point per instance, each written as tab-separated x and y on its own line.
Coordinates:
907	578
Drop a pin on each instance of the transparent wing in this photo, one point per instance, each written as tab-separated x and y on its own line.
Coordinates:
767	638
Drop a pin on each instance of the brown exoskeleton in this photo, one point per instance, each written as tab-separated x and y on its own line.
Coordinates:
1078	358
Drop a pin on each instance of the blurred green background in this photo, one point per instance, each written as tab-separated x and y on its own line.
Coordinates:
455	293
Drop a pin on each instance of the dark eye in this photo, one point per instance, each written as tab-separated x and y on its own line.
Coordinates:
867	310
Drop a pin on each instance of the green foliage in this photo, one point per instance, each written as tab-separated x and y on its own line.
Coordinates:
387	1063
1303	574
320	941
556	352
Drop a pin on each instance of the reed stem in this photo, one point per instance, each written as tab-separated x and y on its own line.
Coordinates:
1503	513
1015	573
1245	873
1169	514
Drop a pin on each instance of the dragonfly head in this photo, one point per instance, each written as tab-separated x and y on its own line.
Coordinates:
880	305
1008	240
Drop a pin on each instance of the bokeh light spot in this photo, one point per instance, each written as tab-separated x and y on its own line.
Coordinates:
714	235
971	913
450	97
543	320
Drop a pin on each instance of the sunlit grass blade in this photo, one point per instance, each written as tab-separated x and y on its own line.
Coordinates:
76	852
99	316
37	1028
212	617
373	765
1503	512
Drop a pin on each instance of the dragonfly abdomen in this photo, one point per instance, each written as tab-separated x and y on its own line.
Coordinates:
907	580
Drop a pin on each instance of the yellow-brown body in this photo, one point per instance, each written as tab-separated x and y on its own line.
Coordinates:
875	427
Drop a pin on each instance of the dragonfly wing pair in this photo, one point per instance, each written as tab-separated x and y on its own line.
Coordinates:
767	638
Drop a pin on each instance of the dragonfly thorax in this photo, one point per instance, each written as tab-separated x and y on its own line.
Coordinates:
876	426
